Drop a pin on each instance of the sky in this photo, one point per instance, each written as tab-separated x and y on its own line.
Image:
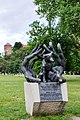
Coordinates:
15	18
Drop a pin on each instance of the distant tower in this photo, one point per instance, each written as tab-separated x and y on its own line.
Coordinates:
7	48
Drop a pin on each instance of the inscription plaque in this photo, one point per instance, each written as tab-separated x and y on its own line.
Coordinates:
50	92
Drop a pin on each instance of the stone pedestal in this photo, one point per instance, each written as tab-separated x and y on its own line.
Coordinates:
45	98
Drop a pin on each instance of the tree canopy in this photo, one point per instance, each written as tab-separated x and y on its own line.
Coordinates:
17	46
66	32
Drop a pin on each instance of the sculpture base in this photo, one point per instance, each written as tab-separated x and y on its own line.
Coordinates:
45	98
48	108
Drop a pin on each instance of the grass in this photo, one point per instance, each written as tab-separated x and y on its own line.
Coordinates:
12	103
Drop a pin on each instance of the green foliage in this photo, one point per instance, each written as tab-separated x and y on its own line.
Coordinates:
37	66
38	32
17	46
12	63
66	32
68	11
2	66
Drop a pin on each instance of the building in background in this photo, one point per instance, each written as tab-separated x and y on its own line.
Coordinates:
7	48
25	46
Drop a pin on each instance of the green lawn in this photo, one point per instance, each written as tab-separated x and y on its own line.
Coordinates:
12	104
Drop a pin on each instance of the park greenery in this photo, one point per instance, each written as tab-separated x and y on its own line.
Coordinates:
11	63
62	26
66	31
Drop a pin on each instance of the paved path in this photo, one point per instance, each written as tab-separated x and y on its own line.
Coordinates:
75	118
71	76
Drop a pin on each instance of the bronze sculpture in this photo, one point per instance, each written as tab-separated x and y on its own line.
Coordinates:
48	72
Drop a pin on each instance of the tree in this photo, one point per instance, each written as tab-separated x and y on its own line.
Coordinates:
1	64
65	32
68	11
12	63
17	46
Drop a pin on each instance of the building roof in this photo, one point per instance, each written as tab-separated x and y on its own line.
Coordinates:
25	46
7	44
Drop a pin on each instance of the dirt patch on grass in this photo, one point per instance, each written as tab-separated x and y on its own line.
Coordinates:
75	118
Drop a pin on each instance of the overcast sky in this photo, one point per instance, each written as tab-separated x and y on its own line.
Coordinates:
15	17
